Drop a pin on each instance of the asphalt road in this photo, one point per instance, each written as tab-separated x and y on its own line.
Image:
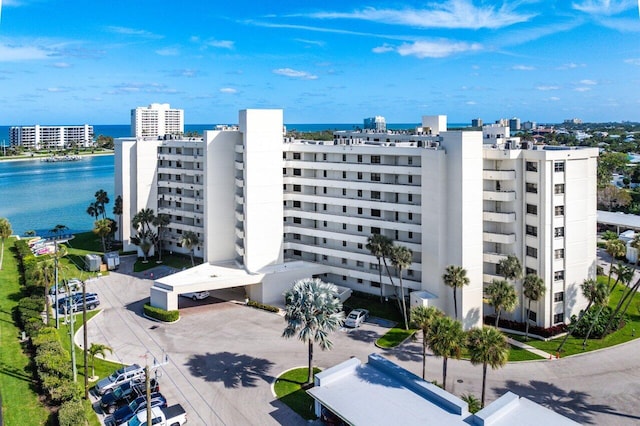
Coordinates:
224	357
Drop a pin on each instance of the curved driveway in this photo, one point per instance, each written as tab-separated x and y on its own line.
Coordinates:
223	358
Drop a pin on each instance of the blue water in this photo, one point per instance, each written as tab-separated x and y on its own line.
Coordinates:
35	195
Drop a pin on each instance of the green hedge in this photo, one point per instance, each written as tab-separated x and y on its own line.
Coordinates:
72	413
161	314
263	306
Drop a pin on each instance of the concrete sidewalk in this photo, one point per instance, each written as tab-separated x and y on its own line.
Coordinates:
530	348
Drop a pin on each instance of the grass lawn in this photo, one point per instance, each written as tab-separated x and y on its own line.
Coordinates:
519	354
387	310
21	405
394	337
177	261
289	389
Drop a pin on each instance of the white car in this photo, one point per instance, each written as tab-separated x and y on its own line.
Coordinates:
196	295
356	317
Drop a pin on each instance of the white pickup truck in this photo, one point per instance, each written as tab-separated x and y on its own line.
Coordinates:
170	416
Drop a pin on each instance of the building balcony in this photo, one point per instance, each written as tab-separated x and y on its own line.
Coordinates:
239	200
494	237
493	257
239	232
239	148
239	165
499	217
240	183
498	195
240	248
499	174
240	215
488	278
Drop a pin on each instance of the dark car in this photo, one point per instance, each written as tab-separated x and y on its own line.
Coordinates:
76	304
125	393
125	413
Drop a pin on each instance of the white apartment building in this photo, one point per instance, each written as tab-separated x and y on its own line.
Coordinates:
51	137
263	202
156	120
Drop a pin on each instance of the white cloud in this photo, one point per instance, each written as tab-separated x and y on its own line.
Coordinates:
523	68
229	90
604	7
632	61
570	66
61	65
448	14
545	88
141	88
582	89
310	42
429	49
471	103
57	89
223	44
588	82
554	98
132	32
16	53
288	72
168	51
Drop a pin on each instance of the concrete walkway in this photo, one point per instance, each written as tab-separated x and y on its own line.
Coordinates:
530	348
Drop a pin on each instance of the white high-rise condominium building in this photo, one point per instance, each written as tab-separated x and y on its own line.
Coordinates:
156	120
51	137
377	123
258	200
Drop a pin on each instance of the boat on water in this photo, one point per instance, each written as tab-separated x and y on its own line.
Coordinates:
56	158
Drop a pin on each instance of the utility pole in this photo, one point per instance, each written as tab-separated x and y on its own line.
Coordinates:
84	332
56	297
71	333
148	391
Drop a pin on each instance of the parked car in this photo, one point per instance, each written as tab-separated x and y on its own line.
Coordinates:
76	304
74	285
118	377
125	393
196	295
356	317
123	414
171	416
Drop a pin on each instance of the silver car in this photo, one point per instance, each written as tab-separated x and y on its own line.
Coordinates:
356	317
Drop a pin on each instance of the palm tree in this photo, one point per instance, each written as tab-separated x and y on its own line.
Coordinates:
97	349
422	317
160	222
489	347
592	290
378	245
601	299
455	277
190	240
144	218
615	248
533	289
502	296
95	210
118	210
44	275
102	228
401	258
447	340
312	311
102	199
144	240
5	232
510	268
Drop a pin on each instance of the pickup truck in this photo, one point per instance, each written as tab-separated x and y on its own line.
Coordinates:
171	416
125	393
123	414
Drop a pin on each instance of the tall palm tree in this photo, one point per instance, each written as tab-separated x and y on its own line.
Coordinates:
102	228
144	218
378	245
510	267
44	275
97	349
401	258
592	290
422	317
118	209
447	341
489	347
5	232
102	199
312	311
455	277
160	222
533	289
502	296
601	299
144	240
190	240
623	273
95	210
615	248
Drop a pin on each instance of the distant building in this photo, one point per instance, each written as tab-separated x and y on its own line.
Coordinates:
573	121
529	125
376	123
503	122
156	120
51	137
514	124
476	122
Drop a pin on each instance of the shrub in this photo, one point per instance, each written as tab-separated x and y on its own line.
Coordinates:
598	328
262	306
533	329
72	413
161	314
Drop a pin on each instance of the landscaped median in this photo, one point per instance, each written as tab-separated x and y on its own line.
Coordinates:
291	388
160	314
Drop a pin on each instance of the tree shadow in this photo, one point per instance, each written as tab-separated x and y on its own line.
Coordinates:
409	351
365	336
233	370
572	404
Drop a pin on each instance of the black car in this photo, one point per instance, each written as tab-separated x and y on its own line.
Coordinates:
125	393
125	413
75	303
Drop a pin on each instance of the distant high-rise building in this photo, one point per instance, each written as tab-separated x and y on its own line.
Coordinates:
376	123
51	137
529	125
514	124
156	120
573	121
476	122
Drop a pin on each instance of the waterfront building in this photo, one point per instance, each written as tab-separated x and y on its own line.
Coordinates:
156	120
261	201
51	137
376	123
514	124
476	122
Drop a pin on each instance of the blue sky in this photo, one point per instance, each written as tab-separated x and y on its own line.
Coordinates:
73	62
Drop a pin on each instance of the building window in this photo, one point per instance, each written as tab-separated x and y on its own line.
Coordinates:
558	297
559	210
532	209
558	254
375	212
558	232
532	252
375	195
375	230
324	207
530	271
325	257
375	177
297	220
297	188
324	241
359	263
359	210
359	175
344	209
558	276
359	228
410	160
375	159
324	189
359	280
344	244
297	204
344	191
324	157
324	173
359	192
324	223
344	226
410	216
373	266
410	198
296	236
558	188
558	318
344	261
410	235
359	246
532	230
410	178
533	316
344	175
344	157
532	167
359	158
558	166
532	188
296	155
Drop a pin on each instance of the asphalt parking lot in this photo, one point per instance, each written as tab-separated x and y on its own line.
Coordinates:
223	358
